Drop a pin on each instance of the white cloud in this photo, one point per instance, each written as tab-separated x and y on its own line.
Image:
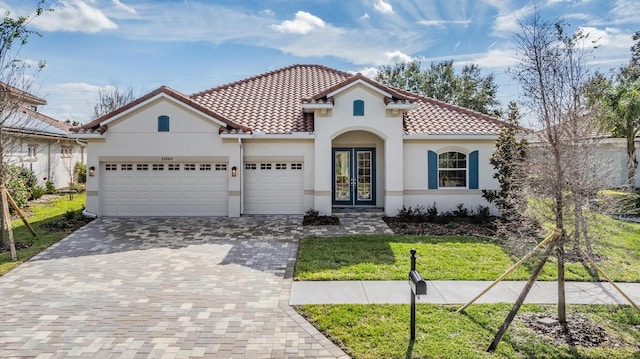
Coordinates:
303	23
492	59
625	12
383	7
369	72
128	9
397	56
365	16
439	23
74	16
70	101
507	22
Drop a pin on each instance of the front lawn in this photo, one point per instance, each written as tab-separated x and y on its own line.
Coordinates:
52	212
386	257
382	331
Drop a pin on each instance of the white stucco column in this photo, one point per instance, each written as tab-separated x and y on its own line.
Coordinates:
322	174
393	159
235	182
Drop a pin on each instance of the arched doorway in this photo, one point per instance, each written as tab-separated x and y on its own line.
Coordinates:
357	163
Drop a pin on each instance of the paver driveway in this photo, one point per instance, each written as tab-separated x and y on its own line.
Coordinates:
129	288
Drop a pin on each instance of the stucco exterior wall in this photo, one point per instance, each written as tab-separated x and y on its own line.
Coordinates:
135	137
416	191
377	122
48	163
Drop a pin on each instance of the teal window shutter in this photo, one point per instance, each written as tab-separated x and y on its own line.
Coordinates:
358	108
163	123
473	170
432	170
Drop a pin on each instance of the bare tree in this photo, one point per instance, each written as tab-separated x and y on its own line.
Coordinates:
16	78
553	72
110	98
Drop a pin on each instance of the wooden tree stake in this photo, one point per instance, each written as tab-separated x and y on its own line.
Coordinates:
20	213
520	300
550	238
7	222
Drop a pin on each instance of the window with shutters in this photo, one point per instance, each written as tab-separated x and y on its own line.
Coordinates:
452	169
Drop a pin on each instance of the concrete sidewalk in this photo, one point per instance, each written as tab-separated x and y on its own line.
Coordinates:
456	292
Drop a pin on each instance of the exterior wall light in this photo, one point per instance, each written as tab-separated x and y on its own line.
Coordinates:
92	171
234	171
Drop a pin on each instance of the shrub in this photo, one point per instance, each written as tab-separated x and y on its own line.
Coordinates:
409	214
461	211
29	177
80	172
80	187
49	187
618	202
37	191
481	215
432	212
16	179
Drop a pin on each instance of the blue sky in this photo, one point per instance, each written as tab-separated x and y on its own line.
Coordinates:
195	45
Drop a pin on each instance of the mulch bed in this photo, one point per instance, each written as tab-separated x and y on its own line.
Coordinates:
313	220
579	331
4	248
457	226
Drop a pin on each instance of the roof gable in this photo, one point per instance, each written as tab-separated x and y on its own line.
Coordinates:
357	79
100	125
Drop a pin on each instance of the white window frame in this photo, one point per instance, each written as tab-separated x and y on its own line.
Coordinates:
441	185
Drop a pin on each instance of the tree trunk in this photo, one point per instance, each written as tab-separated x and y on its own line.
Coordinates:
562	314
631	162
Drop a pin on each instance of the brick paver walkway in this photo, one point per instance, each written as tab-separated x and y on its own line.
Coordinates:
164	288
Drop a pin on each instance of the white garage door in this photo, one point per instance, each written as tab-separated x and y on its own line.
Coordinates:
165	189
273	188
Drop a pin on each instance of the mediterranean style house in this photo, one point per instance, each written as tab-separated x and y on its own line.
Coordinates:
301	137
36	141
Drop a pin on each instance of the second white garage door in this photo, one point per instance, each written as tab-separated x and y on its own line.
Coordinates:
273	188
165	189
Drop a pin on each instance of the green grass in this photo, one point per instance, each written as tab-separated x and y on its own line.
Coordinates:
382	331
40	213
386	257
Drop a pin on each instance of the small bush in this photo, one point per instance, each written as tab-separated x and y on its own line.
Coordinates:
80	172
16	179
312	213
481	215
49	187
461	211
80	187
29	177
37	191
432	212
618	202
409	214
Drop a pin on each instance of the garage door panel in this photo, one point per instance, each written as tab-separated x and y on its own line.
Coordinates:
160	192
273	191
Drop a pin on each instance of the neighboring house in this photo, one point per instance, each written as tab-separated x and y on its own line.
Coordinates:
614	153
38	142
305	136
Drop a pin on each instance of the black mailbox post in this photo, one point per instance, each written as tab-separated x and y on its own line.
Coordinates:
418	287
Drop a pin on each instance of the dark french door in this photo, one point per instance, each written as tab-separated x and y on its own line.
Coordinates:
354	176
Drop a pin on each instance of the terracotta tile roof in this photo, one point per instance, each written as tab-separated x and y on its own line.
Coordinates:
434	117
271	102
98	126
